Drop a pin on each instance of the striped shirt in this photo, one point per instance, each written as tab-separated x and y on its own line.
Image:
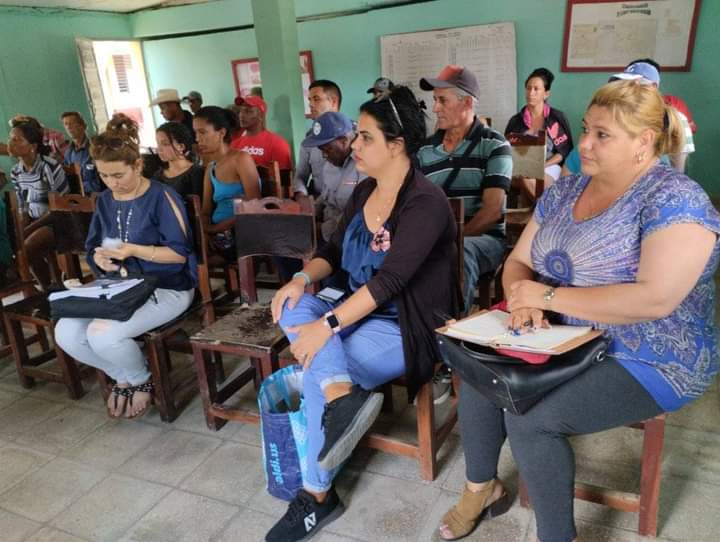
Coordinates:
687	132
489	165
33	186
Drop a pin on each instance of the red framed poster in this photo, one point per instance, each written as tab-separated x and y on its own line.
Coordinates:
605	35
246	74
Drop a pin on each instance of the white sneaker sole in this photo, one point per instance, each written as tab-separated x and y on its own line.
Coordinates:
347	442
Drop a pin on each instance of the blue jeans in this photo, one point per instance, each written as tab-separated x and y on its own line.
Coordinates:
109	345
482	254
368	353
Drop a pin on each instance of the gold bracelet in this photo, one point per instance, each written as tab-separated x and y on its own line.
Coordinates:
152	256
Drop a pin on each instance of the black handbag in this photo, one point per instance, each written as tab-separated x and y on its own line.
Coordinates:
120	306
510	383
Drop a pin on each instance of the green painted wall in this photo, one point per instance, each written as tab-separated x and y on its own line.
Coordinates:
347	50
39	70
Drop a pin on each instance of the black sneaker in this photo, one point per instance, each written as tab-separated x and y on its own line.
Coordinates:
345	421
305	517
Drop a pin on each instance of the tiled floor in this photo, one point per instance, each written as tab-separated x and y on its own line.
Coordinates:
68	473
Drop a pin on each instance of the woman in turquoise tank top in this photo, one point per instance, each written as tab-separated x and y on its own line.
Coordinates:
230	174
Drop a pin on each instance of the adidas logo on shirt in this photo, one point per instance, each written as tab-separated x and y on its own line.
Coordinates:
256	151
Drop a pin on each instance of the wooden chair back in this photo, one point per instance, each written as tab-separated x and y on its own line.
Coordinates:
275	181
71	215
528	154
275	227
271	227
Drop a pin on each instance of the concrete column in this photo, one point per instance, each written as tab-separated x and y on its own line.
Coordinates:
277	41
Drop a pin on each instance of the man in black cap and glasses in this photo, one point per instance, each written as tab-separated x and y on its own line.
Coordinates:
470	160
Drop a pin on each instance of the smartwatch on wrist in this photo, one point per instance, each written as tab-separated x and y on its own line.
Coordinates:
332	322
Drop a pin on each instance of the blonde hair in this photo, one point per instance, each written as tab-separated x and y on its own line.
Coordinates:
119	142
637	107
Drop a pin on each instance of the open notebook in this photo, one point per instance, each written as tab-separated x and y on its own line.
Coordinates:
489	328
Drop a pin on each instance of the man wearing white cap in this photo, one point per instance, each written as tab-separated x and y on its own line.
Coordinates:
168	99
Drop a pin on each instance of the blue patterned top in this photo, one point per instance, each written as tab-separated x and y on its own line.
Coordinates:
362	255
676	357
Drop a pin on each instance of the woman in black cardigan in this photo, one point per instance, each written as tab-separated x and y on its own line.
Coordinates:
396	242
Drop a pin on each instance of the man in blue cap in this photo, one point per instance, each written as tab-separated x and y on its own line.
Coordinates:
332	133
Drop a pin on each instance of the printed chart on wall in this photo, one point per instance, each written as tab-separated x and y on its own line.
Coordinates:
487	50
605	35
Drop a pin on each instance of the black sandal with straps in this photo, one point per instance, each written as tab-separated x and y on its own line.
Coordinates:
147	387
116	392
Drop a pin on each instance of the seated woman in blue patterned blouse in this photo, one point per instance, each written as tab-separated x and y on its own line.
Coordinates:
629	246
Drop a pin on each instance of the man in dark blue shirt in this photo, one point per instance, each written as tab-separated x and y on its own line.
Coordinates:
77	156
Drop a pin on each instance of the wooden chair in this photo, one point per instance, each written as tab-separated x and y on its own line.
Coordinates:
646	502
174	390
528	161
270	226
70	217
429	437
23	282
275	181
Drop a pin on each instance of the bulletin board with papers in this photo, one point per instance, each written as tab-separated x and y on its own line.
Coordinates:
487	50
602	35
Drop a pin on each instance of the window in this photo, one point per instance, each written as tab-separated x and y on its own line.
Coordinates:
122	64
114	76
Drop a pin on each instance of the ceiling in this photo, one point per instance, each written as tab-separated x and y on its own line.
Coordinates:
118	6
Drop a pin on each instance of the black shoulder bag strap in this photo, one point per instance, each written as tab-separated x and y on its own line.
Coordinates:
454	173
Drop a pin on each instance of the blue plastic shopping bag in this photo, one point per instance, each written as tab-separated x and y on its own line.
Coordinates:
284	431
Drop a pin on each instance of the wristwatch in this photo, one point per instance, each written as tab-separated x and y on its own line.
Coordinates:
548	296
332	322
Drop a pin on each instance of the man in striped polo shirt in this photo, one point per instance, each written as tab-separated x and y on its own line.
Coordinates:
470	160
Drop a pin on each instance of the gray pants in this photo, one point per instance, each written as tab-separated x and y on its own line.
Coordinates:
109	345
603	397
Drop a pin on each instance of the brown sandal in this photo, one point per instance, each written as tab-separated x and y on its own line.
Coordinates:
471	509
